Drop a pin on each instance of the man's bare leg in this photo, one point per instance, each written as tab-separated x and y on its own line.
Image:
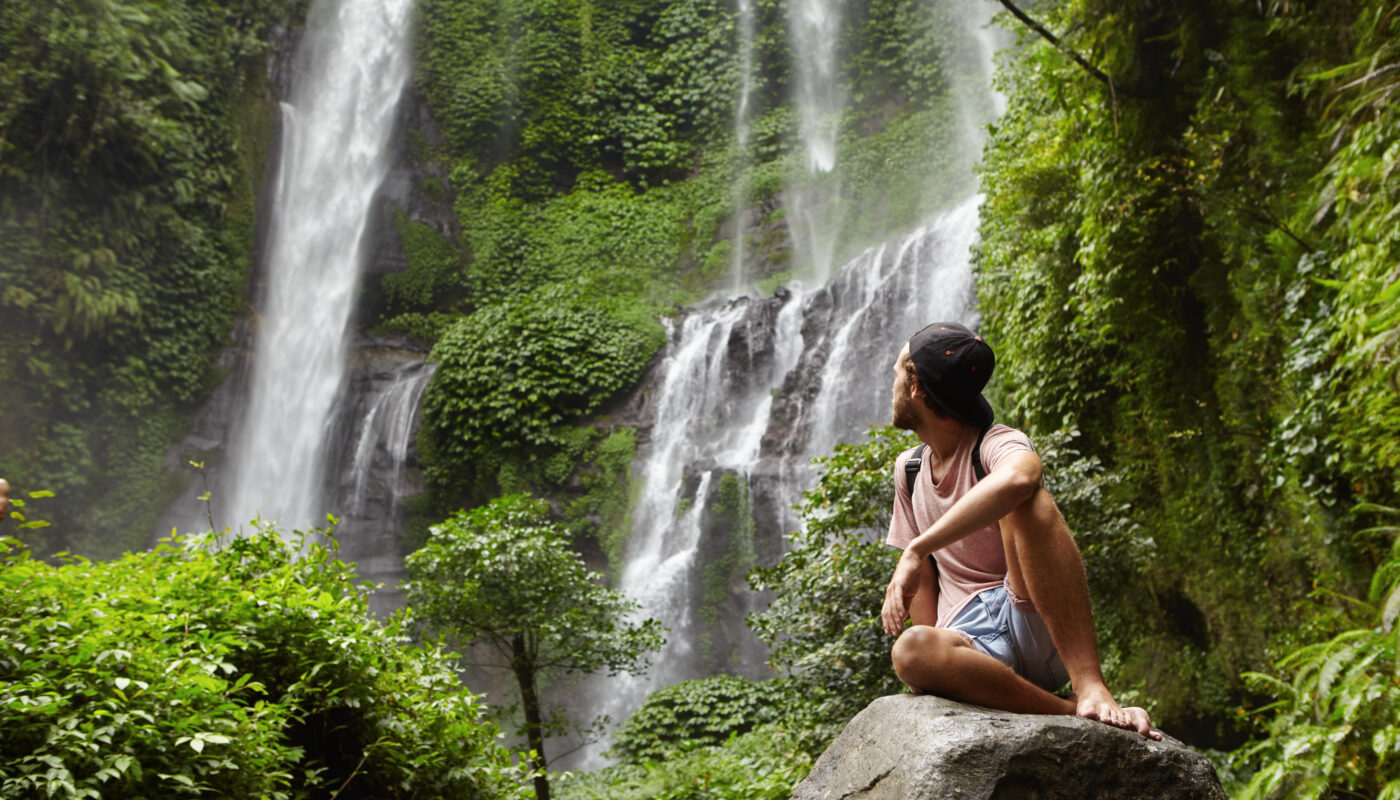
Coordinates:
942	662
1044	565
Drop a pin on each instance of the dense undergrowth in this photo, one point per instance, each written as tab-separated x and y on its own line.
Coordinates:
247	667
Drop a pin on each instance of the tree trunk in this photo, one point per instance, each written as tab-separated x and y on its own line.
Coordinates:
524	667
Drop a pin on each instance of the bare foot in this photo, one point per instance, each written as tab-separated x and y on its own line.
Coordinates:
1098	704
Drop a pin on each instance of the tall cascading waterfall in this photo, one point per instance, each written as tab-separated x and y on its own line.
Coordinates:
813	201
755	387
352	68
741	139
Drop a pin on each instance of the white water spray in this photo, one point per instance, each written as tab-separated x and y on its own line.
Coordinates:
353	66
814	26
386	432
741	142
813	201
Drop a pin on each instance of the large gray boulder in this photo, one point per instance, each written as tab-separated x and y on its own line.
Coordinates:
912	747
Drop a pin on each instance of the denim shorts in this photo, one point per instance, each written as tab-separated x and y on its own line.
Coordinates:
1007	628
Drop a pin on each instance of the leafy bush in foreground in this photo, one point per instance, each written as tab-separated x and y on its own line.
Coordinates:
248	671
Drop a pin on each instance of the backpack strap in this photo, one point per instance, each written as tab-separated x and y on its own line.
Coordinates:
911	471
916	462
977	469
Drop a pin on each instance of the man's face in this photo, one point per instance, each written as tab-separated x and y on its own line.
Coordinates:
905	415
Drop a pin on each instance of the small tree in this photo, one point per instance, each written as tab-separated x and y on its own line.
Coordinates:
504	576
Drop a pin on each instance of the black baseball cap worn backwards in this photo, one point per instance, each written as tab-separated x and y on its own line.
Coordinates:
953	365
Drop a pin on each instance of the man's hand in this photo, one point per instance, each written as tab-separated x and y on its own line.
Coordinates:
901	590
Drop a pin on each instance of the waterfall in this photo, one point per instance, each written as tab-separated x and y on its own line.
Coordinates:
743	393
741	139
380	470
814	26
352	67
813	200
386	433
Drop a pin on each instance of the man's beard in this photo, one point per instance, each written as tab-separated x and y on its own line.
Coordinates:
904	416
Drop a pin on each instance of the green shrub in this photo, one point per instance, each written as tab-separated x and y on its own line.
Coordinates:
510	376
433	279
1334	726
763	764
697	713
247	670
602	238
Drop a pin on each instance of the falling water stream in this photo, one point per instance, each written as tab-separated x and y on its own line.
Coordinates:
352	67
754	388
742	132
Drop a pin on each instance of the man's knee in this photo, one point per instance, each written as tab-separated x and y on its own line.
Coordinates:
921	654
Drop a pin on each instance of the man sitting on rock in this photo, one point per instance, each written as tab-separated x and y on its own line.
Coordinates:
990	576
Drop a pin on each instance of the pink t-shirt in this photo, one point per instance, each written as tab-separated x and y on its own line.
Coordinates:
977	561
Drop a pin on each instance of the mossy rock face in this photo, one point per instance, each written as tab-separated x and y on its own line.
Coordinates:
721	594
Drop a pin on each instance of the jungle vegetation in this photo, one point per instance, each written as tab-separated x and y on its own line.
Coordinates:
1188	267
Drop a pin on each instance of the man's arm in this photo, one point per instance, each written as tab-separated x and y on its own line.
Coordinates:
923	606
1013	482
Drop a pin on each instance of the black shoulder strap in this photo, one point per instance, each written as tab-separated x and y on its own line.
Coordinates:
916	462
977	468
911	471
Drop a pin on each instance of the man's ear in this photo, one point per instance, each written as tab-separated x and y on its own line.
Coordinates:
916	391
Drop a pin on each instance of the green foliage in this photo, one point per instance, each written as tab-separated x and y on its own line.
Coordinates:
247	668
764	764
1357	199
503	576
1166	269
433	279
513	376
823	625
603	513
1334	725
699	713
538	91
503	571
126	189
602	239
428	326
